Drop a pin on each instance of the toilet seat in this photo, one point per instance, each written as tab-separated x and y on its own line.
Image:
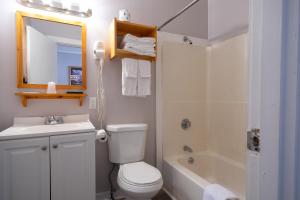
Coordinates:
139	180
140	174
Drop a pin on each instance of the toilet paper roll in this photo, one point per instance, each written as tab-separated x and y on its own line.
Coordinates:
101	136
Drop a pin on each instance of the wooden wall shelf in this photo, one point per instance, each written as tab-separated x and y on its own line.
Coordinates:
26	95
120	28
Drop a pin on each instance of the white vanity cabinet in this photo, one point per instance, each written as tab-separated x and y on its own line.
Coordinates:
58	167
73	167
25	169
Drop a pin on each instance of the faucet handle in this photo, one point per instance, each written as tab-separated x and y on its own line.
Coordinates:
187	149
51	120
60	120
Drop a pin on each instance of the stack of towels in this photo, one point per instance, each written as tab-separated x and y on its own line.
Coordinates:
136	77
139	45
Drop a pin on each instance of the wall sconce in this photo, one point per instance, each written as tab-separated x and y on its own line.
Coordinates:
57	6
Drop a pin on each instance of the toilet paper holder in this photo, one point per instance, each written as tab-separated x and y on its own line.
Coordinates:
101	136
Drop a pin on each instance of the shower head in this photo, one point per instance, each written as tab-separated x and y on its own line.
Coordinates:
187	40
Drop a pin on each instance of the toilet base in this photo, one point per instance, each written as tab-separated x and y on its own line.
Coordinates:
137	196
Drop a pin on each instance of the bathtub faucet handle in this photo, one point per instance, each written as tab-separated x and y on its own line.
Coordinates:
187	149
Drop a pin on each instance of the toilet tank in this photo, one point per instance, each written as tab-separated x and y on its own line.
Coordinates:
126	142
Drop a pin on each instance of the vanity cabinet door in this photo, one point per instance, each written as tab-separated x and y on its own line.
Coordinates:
73	167
24	169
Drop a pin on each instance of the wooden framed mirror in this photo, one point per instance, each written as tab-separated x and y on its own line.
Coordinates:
47	48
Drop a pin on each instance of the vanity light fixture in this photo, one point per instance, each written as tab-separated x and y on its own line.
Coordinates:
57	6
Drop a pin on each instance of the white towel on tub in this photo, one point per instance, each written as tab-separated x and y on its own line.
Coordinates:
129	76
144	78
218	192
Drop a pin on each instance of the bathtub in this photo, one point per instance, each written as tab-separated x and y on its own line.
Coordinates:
186	181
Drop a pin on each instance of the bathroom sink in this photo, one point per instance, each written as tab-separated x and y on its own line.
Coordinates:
35	127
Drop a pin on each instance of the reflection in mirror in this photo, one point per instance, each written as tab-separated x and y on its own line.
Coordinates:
52	52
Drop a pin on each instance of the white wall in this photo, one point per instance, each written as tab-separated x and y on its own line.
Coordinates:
225	17
41	57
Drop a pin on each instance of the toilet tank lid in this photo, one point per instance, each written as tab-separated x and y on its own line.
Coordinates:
126	127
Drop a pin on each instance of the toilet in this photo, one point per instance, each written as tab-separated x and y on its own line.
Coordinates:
136	179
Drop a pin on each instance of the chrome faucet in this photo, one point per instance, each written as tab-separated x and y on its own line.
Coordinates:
187	149
52	120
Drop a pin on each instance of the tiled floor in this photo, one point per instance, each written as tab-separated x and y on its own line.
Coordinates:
162	196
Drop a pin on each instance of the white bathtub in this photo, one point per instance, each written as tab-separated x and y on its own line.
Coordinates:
185	181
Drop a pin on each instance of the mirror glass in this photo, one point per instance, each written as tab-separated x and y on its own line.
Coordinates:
52	52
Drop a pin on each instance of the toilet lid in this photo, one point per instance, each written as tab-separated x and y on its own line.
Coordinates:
140	173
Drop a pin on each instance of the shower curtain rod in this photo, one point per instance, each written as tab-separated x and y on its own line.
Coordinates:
179	13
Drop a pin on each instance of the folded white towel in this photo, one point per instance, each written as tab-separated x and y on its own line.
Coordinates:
218	192
144	78
129	77
139	51
139	45
128	38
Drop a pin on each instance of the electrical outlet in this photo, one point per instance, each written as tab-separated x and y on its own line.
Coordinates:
92	103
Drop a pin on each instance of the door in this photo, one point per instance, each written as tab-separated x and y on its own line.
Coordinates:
24	169
73	167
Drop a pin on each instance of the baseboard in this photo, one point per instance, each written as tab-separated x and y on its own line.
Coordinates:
103	195
106	195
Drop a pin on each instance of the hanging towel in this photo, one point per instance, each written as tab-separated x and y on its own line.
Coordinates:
129	76
144	78
218	192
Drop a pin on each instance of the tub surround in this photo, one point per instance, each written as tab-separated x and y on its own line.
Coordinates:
227	98
212	94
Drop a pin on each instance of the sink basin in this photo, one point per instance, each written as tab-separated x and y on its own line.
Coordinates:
34	127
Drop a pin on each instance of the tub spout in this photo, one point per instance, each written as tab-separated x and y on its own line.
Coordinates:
191	160
187	149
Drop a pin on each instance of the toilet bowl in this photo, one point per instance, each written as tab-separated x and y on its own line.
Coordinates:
139	180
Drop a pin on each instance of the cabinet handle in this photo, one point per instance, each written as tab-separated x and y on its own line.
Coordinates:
44	148
55	146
